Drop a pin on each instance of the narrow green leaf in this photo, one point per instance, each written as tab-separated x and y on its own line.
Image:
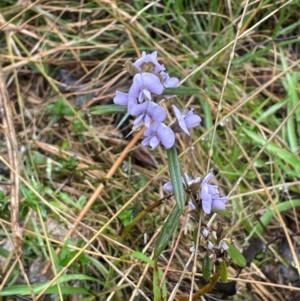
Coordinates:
167	231
182	91
236	255
270	212
291	87
276	151
139	256
271	111
223	271
108	109
37	288
176	178
206	267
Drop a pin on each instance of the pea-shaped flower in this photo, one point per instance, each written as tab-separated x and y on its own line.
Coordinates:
186	119
158	133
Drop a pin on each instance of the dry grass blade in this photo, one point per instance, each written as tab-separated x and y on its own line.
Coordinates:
12	149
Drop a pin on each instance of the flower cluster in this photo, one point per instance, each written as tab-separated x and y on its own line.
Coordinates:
208	193
149	81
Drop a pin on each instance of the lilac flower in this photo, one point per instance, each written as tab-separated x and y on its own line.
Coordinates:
210	196
143	85
158	133
188	182
146	111
223	245
148	58
205	232
193	249
186	120
168	187
169	82
121	98
191	206
219	202
210	245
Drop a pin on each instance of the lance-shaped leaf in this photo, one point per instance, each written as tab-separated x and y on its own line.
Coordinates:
223	271
206	267
167	231
108	109
235	255
176	179
182	91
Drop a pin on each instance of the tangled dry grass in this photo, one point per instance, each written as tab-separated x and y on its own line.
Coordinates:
79	196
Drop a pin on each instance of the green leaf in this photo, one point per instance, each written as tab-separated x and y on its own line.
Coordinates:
167	231
37	288
108	109
206	267
270	212
139	256
176	178
276	151
182	91
223	271
235	254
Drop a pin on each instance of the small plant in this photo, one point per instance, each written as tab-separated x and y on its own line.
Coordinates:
144	102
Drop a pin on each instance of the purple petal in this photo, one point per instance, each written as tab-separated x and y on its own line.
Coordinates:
219	203
187	179
131	104
212	189
192	120
206	206
171	82
206	199
152	82
147	120
146	141
139	109
205	232
143	84
159	133
148	110
154	55
139	120
151	130
180	119
168	187
146	58
207	178
145	94
121	98
154	142
165	135
224	245
191	206
157	112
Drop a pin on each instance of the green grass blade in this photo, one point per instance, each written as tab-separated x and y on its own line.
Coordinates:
274	150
